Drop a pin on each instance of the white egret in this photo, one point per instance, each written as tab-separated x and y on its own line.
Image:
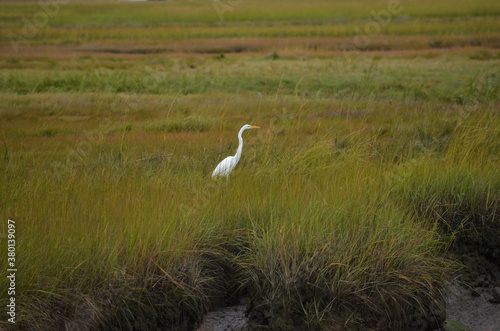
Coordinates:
227	165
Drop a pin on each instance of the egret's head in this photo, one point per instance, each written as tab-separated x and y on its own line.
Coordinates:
248	126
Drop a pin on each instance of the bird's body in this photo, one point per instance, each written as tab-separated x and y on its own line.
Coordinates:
226	166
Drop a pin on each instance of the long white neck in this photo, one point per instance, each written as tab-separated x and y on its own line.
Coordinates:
240	146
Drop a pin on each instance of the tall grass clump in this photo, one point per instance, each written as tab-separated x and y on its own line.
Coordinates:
369	273
461	192
463	186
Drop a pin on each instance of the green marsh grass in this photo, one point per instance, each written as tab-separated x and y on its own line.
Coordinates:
468	82
461	190
369	168
170	23
128	231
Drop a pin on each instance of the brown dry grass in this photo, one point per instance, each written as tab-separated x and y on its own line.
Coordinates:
310	46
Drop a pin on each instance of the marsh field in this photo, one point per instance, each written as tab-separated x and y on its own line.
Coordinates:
373	183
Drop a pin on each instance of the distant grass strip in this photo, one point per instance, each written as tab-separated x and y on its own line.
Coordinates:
338	77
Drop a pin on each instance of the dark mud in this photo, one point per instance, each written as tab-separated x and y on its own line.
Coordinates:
473	299
467	309
225	319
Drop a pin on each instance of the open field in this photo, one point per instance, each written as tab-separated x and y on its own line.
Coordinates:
375	169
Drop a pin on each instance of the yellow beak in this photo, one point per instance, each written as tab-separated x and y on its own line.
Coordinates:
254	127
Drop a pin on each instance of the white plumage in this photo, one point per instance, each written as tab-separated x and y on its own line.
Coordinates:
227	165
